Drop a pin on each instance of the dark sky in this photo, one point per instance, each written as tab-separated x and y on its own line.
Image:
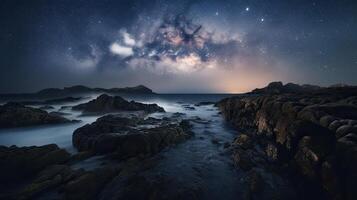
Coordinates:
176	45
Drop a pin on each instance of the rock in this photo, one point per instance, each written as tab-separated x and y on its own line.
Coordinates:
335	125
242	159
309	130
129	137
51	177
256	183
344	130
188	107
325	121
204	103
105	104
88	185
17	115
17	163
243	141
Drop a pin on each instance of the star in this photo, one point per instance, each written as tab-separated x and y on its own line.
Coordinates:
262	19
217	13
247	9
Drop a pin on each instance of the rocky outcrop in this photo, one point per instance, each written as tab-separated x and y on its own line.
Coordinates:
129	137
17	115
312	135
44	172
105	104
17	163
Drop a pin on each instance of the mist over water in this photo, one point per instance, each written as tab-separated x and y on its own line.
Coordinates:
62	134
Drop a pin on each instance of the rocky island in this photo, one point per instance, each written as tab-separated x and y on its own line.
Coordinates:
105	104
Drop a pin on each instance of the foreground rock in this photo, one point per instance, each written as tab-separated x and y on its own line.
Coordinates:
17	115
18	163
312	135
129	137
105	104
44	172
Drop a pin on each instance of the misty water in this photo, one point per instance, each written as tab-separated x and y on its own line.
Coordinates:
198	162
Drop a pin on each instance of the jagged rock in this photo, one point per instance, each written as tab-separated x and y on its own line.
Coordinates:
128	137
105	104
17	115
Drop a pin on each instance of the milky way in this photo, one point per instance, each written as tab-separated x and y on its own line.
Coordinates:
189	45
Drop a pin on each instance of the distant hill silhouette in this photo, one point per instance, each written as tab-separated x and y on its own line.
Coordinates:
76	91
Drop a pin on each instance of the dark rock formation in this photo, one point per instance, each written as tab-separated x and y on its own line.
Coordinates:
129	137
17	115
44	172
18	163
105	104
311	134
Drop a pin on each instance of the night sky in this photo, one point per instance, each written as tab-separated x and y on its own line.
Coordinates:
176	45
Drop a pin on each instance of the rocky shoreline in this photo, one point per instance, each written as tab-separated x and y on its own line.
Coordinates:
127	146
307	134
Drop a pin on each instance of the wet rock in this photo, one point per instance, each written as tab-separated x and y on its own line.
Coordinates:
325	121
17	115
311	132
243	141
129	137
344	130
205	103
188	107
89	185
105	104
50	177
17	163
242	159
335	125
256	182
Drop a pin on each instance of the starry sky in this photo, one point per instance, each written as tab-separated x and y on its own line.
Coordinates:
176	46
